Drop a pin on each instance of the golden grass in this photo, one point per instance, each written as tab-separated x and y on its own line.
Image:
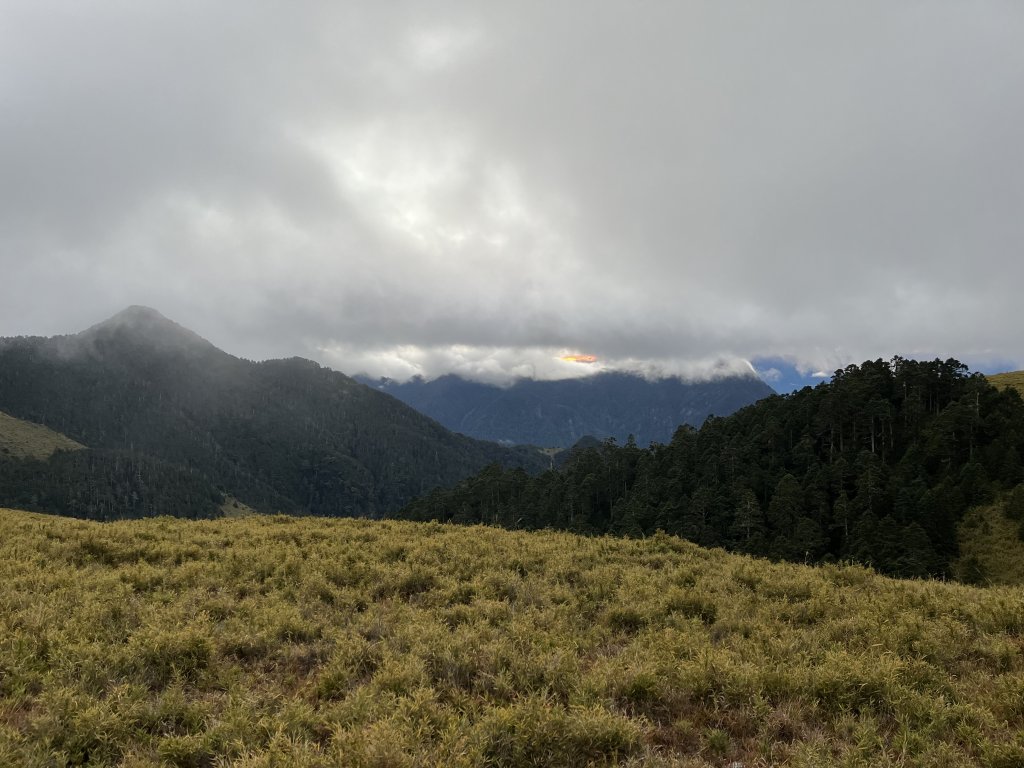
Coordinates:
271	641
23	439
1013	379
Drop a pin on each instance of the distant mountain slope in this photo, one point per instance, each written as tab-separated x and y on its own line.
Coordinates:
559	413
1014	379
287	435
23	439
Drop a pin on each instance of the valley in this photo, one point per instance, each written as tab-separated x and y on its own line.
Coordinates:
559	413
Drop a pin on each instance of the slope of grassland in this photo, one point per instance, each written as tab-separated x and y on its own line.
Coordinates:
991	550
23	439
1013	379
309	642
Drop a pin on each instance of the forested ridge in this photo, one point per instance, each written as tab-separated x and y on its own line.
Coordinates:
172	424
877	465
559	413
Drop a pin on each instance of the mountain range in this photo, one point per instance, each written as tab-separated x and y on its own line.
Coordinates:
557	414
138	416
174	425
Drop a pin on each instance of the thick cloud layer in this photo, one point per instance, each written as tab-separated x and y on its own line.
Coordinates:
416	187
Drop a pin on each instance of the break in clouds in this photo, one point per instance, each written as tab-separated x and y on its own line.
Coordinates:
418	188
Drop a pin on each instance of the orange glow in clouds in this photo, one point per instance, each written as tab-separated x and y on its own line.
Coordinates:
579	358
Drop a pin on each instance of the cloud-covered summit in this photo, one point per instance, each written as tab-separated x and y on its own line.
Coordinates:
483	187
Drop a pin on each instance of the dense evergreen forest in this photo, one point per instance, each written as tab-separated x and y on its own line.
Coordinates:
173	424
878	466
106	485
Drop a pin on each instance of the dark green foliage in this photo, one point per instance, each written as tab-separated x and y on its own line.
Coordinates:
281	435
1015	504
1015	509
973	572
106	485
878	465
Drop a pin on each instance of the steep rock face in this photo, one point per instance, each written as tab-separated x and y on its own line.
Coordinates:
283	435
559	413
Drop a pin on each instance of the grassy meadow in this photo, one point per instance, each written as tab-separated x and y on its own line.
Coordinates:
1013	379
23	439
272	641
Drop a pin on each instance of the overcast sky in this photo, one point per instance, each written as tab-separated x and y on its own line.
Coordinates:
420	187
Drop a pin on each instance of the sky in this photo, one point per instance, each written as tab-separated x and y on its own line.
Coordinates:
417	188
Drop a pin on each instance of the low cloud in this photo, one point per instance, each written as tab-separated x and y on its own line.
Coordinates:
502	366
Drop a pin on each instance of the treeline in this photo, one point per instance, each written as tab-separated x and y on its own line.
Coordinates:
105	485
878	466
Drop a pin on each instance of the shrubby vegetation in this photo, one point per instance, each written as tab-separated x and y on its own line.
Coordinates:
879	465
992	545
270	641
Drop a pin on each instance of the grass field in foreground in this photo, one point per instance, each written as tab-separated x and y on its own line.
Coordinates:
262	641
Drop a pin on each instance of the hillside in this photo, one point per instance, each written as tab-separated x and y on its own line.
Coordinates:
991	549
1013	379
23	439
556	414
878	465
173	424
309	642
991	539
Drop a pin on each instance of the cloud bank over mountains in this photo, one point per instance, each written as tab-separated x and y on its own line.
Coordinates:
411	188
502	366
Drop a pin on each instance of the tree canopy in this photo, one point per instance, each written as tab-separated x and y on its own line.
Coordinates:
877	465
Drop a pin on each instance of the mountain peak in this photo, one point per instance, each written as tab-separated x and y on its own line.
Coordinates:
137	316
147	326
138	313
